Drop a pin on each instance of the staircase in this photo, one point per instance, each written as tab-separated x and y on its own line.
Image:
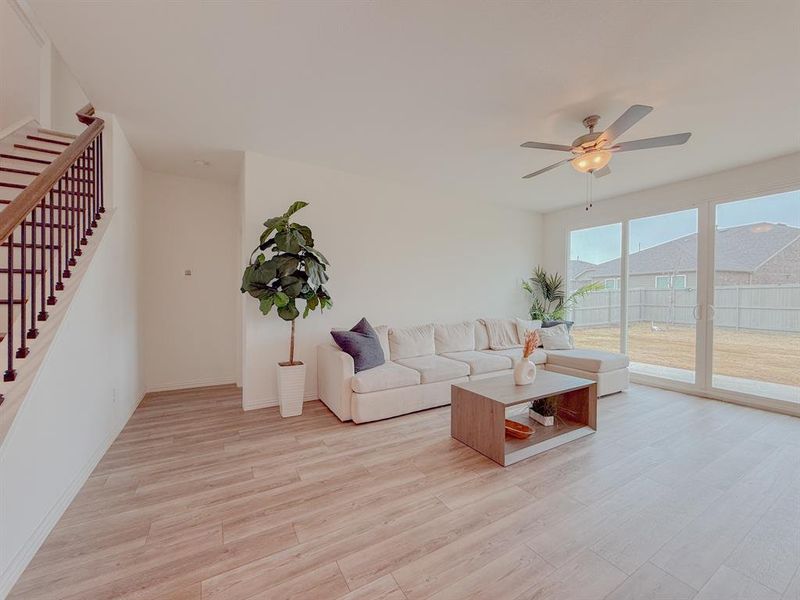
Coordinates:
51	197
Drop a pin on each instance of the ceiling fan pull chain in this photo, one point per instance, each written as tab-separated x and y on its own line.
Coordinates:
588	190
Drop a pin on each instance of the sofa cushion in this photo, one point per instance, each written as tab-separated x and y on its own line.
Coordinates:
388	376
456	337
502	333
434	368
556	338
362	343
383	336
481	336
524	326
538	357
481	362
592	361
407	342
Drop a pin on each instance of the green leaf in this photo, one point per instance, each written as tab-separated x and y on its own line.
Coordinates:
305	231
274	224
260	259
317	254
288	312
281	300
316	273
294	208
266	303
285	264
291	286
286	241
257	279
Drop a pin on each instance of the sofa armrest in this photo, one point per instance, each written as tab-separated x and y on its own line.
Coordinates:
335	369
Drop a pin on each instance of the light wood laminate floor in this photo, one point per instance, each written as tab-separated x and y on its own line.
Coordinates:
675	497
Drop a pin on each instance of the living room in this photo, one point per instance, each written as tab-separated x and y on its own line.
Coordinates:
377	300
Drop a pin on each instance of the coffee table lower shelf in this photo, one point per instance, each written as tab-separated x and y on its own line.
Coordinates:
543	438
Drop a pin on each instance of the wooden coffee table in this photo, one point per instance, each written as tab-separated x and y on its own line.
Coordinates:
478	414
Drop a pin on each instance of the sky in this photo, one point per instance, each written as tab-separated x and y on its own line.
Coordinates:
600	244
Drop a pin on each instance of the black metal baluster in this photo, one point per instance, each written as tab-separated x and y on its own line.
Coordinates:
23	350
33	332
85	229
70	183
10	374
51	299
42	316
101	178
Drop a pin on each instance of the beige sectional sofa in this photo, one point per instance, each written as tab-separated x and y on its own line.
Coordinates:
422	363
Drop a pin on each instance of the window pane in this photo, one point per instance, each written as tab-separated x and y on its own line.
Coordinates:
595	261
661	327
757	297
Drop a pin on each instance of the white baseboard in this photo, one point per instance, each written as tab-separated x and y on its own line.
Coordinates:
190	383
37	538
268	402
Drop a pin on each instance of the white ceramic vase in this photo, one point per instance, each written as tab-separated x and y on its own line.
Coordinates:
291	385
524	372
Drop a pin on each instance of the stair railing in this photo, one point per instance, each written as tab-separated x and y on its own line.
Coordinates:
44	229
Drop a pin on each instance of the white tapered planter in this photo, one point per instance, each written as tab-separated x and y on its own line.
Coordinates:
291	386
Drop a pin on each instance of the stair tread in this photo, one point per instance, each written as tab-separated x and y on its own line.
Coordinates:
36	149
39	138
70	136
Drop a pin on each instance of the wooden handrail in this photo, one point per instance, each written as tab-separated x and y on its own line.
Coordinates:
15	213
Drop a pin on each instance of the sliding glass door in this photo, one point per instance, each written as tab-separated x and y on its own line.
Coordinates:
593	284
662	295
756	301
707	298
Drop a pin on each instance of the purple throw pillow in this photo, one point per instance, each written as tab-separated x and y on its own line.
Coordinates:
362	343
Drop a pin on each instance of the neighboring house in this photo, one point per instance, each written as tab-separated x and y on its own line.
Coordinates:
759	253
579	273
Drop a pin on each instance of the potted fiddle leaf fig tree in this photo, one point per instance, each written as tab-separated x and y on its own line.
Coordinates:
283	270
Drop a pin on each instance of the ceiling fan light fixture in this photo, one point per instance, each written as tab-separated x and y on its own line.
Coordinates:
591	161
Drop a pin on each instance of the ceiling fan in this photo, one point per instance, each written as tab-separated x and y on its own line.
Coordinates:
593	151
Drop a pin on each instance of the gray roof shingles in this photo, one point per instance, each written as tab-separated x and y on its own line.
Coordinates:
743	248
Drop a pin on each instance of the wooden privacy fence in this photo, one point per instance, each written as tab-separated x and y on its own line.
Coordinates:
762	307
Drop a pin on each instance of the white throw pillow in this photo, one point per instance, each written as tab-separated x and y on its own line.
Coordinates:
481	337
408	342
502	333
456	337
383	336
524	326
556	338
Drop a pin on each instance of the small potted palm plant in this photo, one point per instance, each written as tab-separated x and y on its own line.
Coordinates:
283	270
543	411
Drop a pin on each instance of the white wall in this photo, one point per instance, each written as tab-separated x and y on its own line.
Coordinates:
398	256
89	383
66	96
190	322
758	179
20	52
35	82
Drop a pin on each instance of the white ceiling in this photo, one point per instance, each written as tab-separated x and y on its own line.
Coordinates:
440	93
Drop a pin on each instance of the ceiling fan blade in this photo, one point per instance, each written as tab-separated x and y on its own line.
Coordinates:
675	139
540	171
544	146
602	172
627	120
